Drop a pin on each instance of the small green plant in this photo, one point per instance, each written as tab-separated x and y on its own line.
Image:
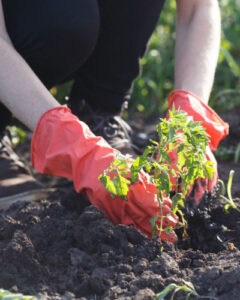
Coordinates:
188	288
172	163
230	203
6	295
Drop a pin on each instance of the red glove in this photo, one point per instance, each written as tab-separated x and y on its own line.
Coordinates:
216	128
64	146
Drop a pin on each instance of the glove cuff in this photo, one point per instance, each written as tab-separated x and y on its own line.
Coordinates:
62	145
42	136
216	128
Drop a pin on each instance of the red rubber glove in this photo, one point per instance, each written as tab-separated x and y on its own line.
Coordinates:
216	128
64	146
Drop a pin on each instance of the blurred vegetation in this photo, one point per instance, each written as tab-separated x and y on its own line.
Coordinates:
226	91
156	79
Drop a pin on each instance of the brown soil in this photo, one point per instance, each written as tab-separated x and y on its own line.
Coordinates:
63	248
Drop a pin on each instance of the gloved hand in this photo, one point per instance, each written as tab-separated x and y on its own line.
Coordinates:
64	146
216	128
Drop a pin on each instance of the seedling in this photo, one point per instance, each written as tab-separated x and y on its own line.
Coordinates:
188	288
172	163
229	200
6	295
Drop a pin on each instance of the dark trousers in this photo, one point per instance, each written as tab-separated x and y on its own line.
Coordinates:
96	42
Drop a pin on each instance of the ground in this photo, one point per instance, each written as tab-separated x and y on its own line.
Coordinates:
63	248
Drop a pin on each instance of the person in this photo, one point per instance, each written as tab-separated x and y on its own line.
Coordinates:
98	44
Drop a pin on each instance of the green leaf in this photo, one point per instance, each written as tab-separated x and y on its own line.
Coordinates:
134	174
154	142
173	172
166	291
148	167
166	157
108	184
153	221
163	182
223	188
181	159
123	172
122	165
121	186
226	207
208	170
189	284
171	133
176	200
6	295
190	177
180	148
136	167
229	185
159	130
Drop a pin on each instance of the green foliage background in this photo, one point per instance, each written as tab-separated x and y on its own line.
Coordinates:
156	79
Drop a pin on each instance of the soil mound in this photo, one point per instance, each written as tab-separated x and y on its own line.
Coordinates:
64	248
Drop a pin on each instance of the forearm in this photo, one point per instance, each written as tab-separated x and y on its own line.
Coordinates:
197	48
20	89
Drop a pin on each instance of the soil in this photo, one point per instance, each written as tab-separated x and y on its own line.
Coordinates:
63	248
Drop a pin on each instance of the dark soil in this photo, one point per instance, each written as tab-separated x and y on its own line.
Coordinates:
63	248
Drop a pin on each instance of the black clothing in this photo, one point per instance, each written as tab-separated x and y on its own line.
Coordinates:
96	42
